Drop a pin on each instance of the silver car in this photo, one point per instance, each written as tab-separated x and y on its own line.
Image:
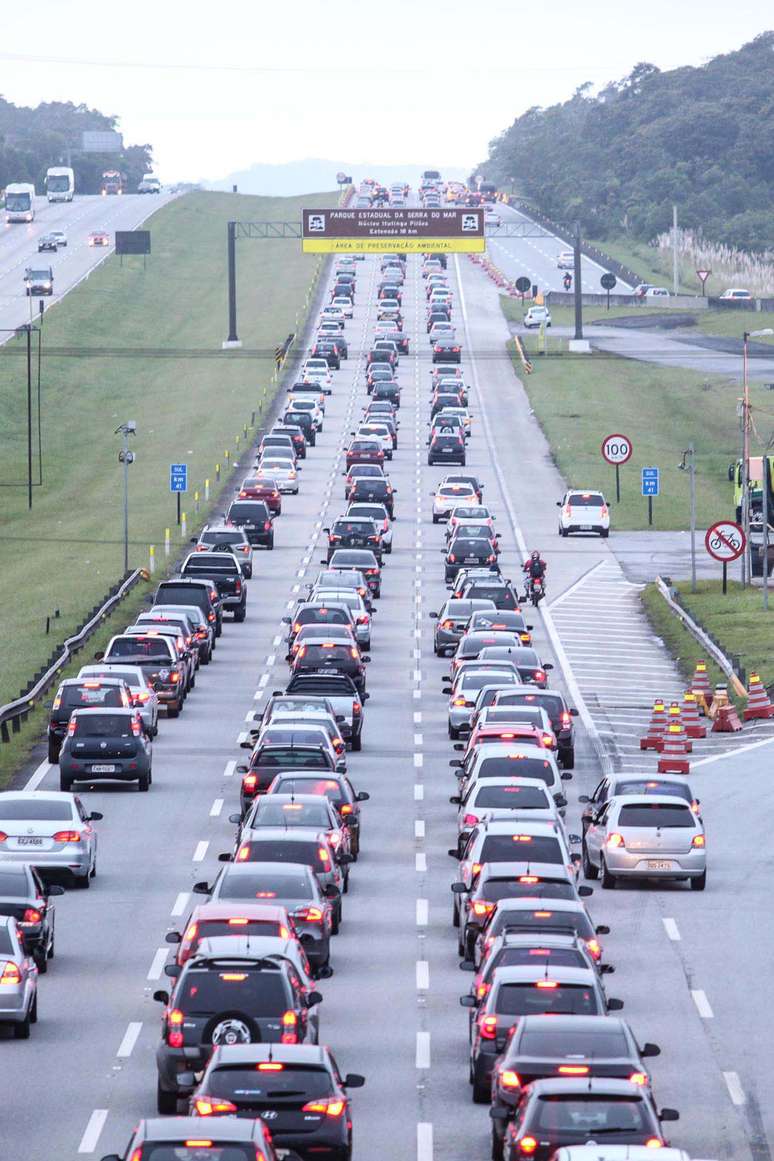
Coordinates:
18	981
354	602
646	836
283	471
51	830
467	683
144	696
298	844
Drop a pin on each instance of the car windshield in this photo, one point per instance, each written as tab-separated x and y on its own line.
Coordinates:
545	996
296	1083
606	1042
36	809
261	993
587	1115
511	797
92	693
148	648
265	885
538	848
473	681
101	725
284	814
656	814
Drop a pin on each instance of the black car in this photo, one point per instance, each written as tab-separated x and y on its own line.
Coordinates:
328	350
186	591
354	532
266	761
362	559
25	896
164	667
215	536
497	589
558	710
342	693
82	693
447	351
106	744
437	316
563	1111
254	519
238	1140
297	1087
466	551
319	656
444	399
48	242
302	419
39	280
372	489
446	447
337	789
225	998
226	573
550	1047
387	389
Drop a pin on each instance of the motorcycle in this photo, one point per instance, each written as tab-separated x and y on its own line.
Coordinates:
536	590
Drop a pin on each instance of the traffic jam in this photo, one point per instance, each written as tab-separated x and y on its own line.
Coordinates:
246	1066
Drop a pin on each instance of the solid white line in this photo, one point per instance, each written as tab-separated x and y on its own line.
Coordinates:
420	862
419	792
422	912
94	1127
732	753
159	959
423	975
419	828
201	850
671	929
35	779
130	1038
216	808
702	1004
180	904
229	768
422	1059
734	1086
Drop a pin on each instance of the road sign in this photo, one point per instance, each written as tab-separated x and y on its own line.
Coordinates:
703	275
608	281
178	477
616	449
452	230
523	284
650	481
725	541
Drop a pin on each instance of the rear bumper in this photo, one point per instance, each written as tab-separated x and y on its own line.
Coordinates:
75	859
638	864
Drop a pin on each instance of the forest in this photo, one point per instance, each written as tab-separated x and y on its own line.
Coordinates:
618	160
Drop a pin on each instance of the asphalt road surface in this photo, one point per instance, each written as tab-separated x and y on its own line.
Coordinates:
692	969
86	213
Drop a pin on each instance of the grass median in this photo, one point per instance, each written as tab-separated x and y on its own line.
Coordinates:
143	343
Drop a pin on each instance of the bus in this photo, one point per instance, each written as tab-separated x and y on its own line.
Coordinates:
60	183
19	201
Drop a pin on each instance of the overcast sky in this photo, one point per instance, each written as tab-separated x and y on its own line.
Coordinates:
217	87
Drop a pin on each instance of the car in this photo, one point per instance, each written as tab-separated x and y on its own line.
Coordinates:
283	445
380	516
565	260
266	760
223	919
559	711
342	694
338	580
186	591
513	947
76	693
291	811
39	280
316	612
310	405
25	898
614	785
566	1111
51	831
553	910
165	670
554	1046
468	680
447	351
362	560
99	238
322	655
252	518
232	537
446	446
47	242
203	634
344	304
451	622
736	294
499	798
528	665
493	587
328	350
18	980
364	451
106	744
583	511
386	389
466	550
449	495
492	219
283	474
175	624
361	615
336	787
305	845
225	571
646	836
376	430
537	316
299	1084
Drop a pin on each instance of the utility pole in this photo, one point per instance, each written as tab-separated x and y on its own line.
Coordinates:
126	457
233	337
675	265
689	464
577	278
28	329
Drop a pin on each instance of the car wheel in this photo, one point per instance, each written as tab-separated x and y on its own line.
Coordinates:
166	1102
357	741
65	783
173	709
497	1147
84	881
41	962
53	754
270	544
608	880
605	533
567	758
563	532
454	733
51	949
481	1092
699	882
143	783
34	1010
22	1031
435	519
589	870
455	915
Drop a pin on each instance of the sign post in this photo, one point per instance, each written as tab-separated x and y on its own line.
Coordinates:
178	482
725	541
607	282
404	230
617	450
702	276
523	284
650	487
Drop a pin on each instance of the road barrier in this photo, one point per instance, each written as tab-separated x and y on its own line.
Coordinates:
732	668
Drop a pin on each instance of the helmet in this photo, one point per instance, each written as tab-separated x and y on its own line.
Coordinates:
536	555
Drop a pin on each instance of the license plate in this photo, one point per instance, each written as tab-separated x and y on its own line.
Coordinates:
659	864
26	841
471	559
585	528
102	769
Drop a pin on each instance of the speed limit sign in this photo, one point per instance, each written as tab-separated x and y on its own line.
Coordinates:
616	449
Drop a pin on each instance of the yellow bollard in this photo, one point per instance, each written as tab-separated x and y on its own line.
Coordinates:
166	542
183	532
206	489
196	501
152	559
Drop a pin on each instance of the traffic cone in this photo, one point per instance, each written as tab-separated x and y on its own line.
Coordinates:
654	737
726	720
674	717
689	713
673	760
701	686
758	702
719	700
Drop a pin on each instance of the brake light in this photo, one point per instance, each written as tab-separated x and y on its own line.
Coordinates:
210	1106
510	1079
174	677
143	696
566	720
270	1066
243	854
249	782
567	510
174	1033
211	616
330	1106
475	869
446	625
11	974
309	914
529	879
549	985
640	1078
323	855
355	709
345	809
654	1143
525	637
31	915
487	1027
242	494
71	726
482	990
267	526
539	675
198	1144
296	626
522	838
237	587
289	1028
573	1069
595	951
615	840
697	840
527	1145
354	653
470	820
604	510
364	619
67	836
459	701
481	908
452	558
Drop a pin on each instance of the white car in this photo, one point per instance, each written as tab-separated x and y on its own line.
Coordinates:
59	236
656	292
310	406
441	330
375	430
50	829
736	292
565	260
283	471
344	305
492	219
537	316
332	314
317	371
449	496
583	512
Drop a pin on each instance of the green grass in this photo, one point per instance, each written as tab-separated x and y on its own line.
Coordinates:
651	264
191	402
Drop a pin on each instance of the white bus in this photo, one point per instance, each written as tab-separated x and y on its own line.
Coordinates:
19	201
60	183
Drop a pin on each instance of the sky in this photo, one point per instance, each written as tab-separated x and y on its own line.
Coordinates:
217	87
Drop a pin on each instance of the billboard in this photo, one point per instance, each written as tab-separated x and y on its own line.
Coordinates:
133	242
101	141
452	230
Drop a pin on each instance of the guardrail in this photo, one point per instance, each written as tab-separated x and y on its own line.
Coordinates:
561	231
731	666
17	711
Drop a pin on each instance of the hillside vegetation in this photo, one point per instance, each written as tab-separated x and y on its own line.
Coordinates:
701	138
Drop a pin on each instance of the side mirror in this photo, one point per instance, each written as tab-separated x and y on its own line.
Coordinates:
433	616
560	800
558	503
459	747
201	888
193	540
574	838
225	857
173	937
353	1080
161	997
241	769
455	800
96	816
366	659
235	818
172	970
111	1157
566	776
574	711
669	1115
602	929
344	859
313	998
548	665
55	889
650	1050
614	1005
585	891
583	798
606	969
453	853
326	529
246	745
467	1001
286	620
362	796
340	718
458	888
455	763
467	965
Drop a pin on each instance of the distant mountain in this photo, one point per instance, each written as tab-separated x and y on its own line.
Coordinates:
299	177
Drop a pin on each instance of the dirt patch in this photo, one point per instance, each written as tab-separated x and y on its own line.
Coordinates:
666	322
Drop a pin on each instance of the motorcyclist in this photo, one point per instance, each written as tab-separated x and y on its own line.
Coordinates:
534	566
567	280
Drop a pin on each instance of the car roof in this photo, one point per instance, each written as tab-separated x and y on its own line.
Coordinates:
527	973
571	1023
515	869
176	1129
33	795
254	1053
225	908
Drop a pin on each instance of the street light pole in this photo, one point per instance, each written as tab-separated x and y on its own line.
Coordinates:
746	336
126	457
578	287
689	463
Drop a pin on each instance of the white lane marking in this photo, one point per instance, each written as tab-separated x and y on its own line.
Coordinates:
295	589
417	717
130	1038
702	1003
37	777
241	738
229	768
301	572
419	792
417	739
249	717
94	1127
420	862
423	975
419	828
422	912
734	1086
419	761
263	680
732	753
201	850
270	660
671	929
157	963
216	808
276	641
180	904
422	1058
418	676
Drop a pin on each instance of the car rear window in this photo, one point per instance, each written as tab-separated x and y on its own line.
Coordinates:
285	814
92	694
148	648
316	615
104	725
40	809
268	851
321	652
172	594
261	993
542	918
132	679
552	956
209	565
265	885
533	999
538	848
331	789
580	1117
511	797
523	886
14	886
604	1043
250	512
512	766
653	814
472	681
239	925
653	786
234	537
295	1083
284	756
586	500
228	1151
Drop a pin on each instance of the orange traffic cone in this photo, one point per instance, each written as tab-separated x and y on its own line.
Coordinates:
758	702
673	760
701	686
719	701
674	717
656	727
689	713
726	720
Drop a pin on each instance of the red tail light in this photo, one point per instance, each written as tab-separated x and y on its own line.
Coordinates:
10	974
356	708
615	840
346	809
604	510
547	985
510	1079
354	653
329	1106
174	1033
566	720
242	494
654	1143
595	951
267	526
470	820
487	1027
31	915
698	840
452	558
539	675
482	991
481	908
71	727
527	1145
243	854
309	914
174	677
446	625
548	741
237	587
143	696
289	1028
640	1078
323	855
191	933
475	869
67	836
249	782
206	1106
270	1066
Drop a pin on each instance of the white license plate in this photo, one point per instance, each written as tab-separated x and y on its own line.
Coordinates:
26	841
447	451
585	528
103	769
471	559
659	864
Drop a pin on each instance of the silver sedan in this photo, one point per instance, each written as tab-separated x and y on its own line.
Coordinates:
18	981
646	836
51	830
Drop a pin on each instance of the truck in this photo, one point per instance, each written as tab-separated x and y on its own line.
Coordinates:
760	468
112	182
149	185
488	191
60	183
19	201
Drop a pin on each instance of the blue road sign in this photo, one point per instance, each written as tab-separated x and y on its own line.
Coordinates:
650	481
178	477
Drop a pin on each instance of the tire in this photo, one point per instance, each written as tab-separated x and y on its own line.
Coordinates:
143	783
357	741
608	880
699	882
42	964
455	916
454	732
481	1092
84	881
435	519
605	533
34	1010
270	545
240	614
22	1031
589	870
65	783
497	1147
166	1102
53	754
173	709
564	532
567	758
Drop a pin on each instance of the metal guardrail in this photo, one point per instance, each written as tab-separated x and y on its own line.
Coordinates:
17	711
729	665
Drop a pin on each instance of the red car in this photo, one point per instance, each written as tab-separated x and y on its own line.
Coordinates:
255	488
230	917
99	238
365	451
511	733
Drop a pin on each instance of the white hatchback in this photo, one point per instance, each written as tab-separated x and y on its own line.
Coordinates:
537	316
583	512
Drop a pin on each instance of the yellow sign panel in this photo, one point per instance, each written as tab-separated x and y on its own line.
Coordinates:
471	245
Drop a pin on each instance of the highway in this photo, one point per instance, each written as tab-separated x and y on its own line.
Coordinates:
683	961
86	213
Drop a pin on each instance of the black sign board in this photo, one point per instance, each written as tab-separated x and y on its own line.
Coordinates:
133	242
